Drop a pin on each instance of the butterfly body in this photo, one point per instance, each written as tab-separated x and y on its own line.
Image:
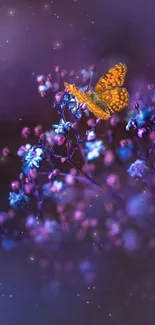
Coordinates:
108	96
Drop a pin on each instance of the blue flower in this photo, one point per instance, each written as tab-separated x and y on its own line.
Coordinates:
8	244
130	240
62	127
137	206
68	101
138	168
57	191
139	120
32	159
125	153
18	200
93	149
76	112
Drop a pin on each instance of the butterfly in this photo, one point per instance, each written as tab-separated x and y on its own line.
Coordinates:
108	96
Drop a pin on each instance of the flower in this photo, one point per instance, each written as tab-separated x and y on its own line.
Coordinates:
93	149
32	159
125	152
57	191
138	168
140	119
91	135
18	200
62	127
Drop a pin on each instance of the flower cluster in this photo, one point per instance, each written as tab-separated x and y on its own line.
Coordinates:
73	204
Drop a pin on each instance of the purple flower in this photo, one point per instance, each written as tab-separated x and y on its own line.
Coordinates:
138	168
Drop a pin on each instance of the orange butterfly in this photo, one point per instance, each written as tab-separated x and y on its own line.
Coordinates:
108	97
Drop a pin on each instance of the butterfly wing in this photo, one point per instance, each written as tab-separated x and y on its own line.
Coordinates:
113	78
96	109
116	99
80	96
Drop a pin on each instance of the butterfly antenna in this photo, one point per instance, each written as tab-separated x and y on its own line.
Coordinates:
90	82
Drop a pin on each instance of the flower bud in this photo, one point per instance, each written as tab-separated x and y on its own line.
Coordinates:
124	143
63	73
141	132
91	122
49	77
21	176
28	188
57	69
42	136
84	107
74	125
53	174
26	132
63	159
15	185
60	140
38	130
41	79
5	152
136	105
114	120
59	96
72	72
33	173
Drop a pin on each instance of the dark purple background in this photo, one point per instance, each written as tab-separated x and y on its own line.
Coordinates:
100	32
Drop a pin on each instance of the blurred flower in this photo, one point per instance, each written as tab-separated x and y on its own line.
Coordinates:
113	181
31	221
108	157
62	127
125	152
44	88
50	137
137	206
57	191
93	149
8	244
131	240
138	168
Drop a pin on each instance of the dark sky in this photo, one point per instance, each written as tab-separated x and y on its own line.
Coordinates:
34	37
